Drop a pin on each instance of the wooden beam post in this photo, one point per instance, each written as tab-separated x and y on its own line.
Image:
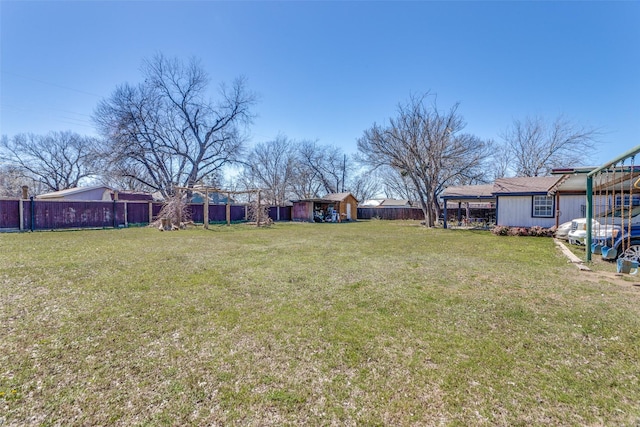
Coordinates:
228	209
258	211
206	208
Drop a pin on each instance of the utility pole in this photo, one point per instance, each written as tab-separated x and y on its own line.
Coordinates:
344	166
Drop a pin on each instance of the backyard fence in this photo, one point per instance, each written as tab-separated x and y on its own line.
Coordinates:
34	214
391	213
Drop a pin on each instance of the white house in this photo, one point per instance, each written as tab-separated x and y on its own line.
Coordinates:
525	201
530	201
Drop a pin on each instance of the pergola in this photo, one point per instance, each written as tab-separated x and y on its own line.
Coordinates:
205	190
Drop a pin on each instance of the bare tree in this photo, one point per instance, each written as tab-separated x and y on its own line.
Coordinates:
327	165
270	166
396	184
427	147
298	169
364	186
537	146
58	160
304	183
501	161
166	130
12	179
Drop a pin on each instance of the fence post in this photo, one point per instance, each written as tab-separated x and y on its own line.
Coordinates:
150	212
33	213
25	195
21	214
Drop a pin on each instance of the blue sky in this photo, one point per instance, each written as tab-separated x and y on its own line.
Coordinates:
329	70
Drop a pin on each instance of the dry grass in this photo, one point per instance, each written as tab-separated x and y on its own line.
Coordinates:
374	323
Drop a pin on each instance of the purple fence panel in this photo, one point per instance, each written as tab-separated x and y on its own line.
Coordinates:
137	213
51	215
10	213
156	208
237	213
217	213
273	213
285	213
197	213
26	215
119	211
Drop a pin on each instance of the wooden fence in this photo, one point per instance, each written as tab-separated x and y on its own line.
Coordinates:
34	214
391	213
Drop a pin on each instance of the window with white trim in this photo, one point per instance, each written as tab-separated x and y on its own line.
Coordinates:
542	207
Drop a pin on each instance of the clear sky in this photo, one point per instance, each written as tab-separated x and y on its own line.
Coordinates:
329	70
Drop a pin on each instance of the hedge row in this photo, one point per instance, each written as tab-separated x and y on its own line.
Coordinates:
536	231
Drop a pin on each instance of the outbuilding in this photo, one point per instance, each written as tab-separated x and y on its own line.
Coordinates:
334	207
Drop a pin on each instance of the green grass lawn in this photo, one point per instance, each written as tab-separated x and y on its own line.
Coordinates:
367	323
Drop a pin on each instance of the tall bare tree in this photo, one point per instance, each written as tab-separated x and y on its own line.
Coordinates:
270	166
396	184
536	146
365	185
328	165
427	147
167	131
58	160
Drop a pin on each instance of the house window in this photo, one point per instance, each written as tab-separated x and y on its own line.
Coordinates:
542	207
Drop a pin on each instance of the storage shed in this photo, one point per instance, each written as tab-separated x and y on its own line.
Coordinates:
334	207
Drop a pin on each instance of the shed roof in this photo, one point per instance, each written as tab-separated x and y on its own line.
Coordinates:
524	185
337	197
331	197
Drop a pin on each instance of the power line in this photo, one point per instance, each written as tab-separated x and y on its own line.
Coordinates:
36	115
52	84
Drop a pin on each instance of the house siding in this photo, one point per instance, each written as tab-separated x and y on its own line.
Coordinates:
573	206
516	211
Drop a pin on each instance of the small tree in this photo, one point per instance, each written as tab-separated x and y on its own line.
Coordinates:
258	211
175	213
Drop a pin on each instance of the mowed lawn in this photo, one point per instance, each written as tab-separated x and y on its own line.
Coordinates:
367	323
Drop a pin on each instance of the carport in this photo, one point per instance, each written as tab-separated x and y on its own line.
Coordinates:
467	195
628	180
